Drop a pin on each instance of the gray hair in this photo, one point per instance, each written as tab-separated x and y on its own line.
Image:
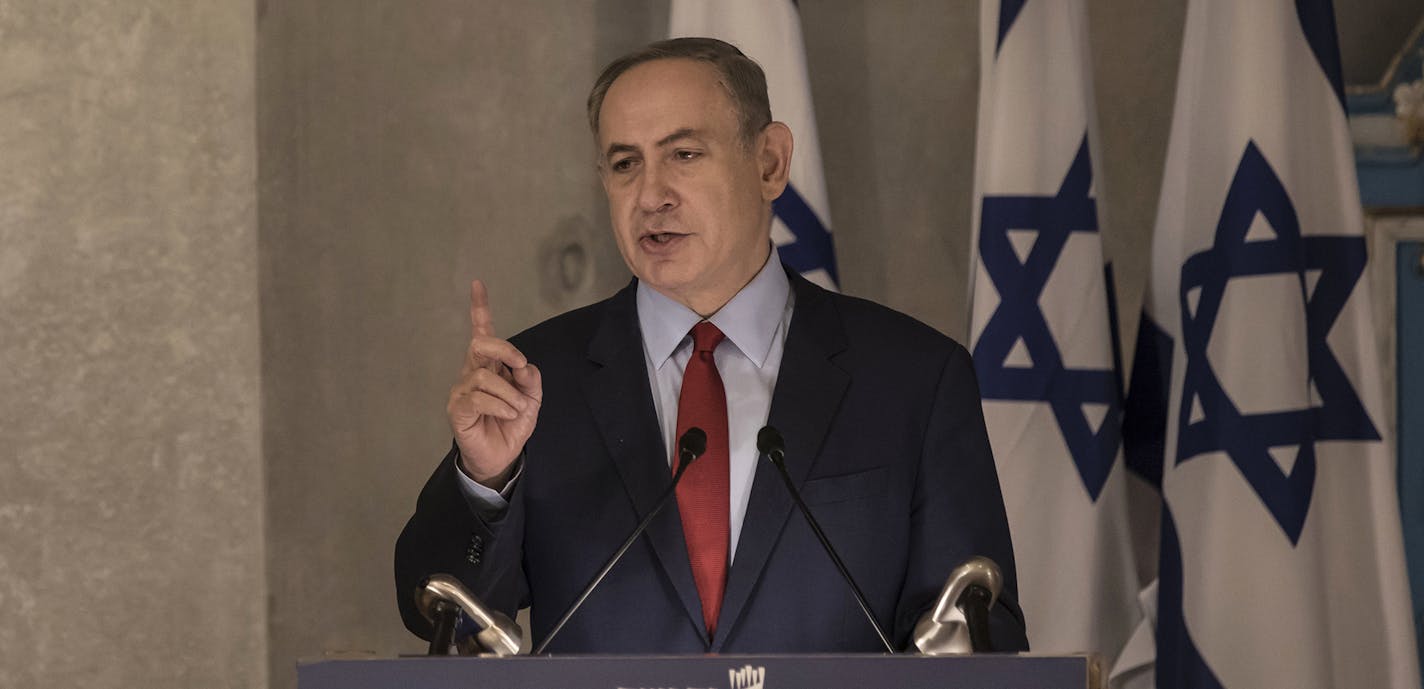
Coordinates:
740	75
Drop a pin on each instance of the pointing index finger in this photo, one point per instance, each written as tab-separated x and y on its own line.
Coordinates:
481	319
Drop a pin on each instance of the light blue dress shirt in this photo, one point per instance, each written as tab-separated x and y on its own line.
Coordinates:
755	322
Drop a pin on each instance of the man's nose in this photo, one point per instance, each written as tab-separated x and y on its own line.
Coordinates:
655	193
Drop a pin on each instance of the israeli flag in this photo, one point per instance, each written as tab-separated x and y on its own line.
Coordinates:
769	31
1042	328
1281	557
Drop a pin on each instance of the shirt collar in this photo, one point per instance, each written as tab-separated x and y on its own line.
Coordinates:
749	320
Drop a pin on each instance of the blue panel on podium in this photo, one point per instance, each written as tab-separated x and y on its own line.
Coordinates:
703	672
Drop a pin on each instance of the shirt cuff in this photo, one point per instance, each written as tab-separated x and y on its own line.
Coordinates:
487	502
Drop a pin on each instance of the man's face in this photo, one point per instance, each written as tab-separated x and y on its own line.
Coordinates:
688	198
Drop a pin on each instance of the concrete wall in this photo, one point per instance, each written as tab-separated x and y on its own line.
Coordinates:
405	149
1371	33
131	503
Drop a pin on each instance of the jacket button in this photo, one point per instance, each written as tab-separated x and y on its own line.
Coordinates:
475	550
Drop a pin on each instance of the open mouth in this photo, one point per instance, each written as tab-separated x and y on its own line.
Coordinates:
661	237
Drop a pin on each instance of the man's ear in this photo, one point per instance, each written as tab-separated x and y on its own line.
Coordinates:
774	146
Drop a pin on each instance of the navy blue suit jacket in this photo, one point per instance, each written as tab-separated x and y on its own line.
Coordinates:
884	435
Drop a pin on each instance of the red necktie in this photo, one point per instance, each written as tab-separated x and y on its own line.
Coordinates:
704	493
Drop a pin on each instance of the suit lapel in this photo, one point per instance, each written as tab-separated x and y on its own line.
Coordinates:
621	401
809	388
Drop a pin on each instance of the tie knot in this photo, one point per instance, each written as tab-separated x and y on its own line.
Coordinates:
706	337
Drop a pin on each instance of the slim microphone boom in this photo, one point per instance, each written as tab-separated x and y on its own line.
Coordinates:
689	447
770	443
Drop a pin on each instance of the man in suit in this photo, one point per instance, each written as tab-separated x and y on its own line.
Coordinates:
565	434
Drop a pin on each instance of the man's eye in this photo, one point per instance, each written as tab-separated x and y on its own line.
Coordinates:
622	165
688	155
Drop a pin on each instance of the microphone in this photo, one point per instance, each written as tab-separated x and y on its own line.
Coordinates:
959	622
770	443
442	599
689	447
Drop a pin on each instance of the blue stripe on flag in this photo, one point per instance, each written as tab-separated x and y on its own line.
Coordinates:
1114	325
1317	20
1144	424
812	249
1008	12
1179	664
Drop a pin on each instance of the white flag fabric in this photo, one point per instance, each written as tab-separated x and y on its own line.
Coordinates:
769	32
1042	330
1281	557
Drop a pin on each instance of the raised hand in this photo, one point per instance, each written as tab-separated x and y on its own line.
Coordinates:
495	403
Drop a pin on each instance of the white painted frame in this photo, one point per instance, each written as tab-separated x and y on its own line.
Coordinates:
1384	230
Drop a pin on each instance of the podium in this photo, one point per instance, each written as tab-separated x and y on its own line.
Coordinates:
860	671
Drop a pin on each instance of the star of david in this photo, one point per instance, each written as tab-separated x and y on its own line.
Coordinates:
812	248
1019	322
1220	426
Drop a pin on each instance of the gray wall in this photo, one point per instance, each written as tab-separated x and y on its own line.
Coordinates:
404	150
1371	33
131	500
154	248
